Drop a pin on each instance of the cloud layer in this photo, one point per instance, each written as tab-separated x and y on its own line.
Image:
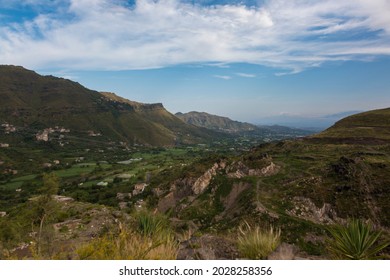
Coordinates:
109	35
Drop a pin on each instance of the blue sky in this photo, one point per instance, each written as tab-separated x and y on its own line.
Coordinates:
243	59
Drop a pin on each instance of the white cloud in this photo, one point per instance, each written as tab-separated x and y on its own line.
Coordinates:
246	75
223	77
293	35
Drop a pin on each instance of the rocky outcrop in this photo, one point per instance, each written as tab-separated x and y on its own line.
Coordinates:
239	170
204	181
304	208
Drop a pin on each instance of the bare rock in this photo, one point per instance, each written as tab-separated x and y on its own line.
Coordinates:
208	247
284	251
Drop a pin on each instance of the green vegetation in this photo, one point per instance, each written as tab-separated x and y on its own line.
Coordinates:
97	186
150	239
128	246
371	126
149	224
355	241
255	243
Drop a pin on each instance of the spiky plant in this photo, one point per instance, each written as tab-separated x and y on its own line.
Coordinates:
254	243
150	224
355	241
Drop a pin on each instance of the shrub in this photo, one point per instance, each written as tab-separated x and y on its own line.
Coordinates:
355	241
254	243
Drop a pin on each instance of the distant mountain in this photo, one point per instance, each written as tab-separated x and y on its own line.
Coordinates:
39	103
368	127
314	123
225	124
202	119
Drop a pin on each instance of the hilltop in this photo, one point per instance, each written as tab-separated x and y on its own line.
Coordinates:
367	127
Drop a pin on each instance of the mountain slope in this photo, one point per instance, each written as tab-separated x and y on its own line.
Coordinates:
369	127
32	101
215	122
224	124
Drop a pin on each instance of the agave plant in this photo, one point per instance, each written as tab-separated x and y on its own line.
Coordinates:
355	241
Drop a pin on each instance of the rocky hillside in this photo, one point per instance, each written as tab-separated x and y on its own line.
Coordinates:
42	104
215	122
298	185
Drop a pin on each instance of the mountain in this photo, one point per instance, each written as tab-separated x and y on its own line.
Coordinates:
224	124
215	122
367	127
35	103
312	123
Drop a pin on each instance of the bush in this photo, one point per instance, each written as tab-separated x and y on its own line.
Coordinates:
254	243
355	241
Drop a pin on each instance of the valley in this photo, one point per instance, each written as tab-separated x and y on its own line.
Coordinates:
110	178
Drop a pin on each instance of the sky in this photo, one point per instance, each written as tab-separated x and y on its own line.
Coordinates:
247	60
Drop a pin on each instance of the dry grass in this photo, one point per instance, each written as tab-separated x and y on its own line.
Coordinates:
129	245
254	243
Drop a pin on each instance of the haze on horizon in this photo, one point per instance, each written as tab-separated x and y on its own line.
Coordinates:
247	60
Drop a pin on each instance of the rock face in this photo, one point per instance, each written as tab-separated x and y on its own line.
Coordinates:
304	208
190	187
239	170
204	181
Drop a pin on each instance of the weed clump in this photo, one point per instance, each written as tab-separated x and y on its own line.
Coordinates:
255	243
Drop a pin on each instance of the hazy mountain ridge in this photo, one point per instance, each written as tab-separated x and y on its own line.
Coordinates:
224	124
311	123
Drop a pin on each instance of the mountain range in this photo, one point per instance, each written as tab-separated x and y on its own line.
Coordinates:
33	102
224	124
